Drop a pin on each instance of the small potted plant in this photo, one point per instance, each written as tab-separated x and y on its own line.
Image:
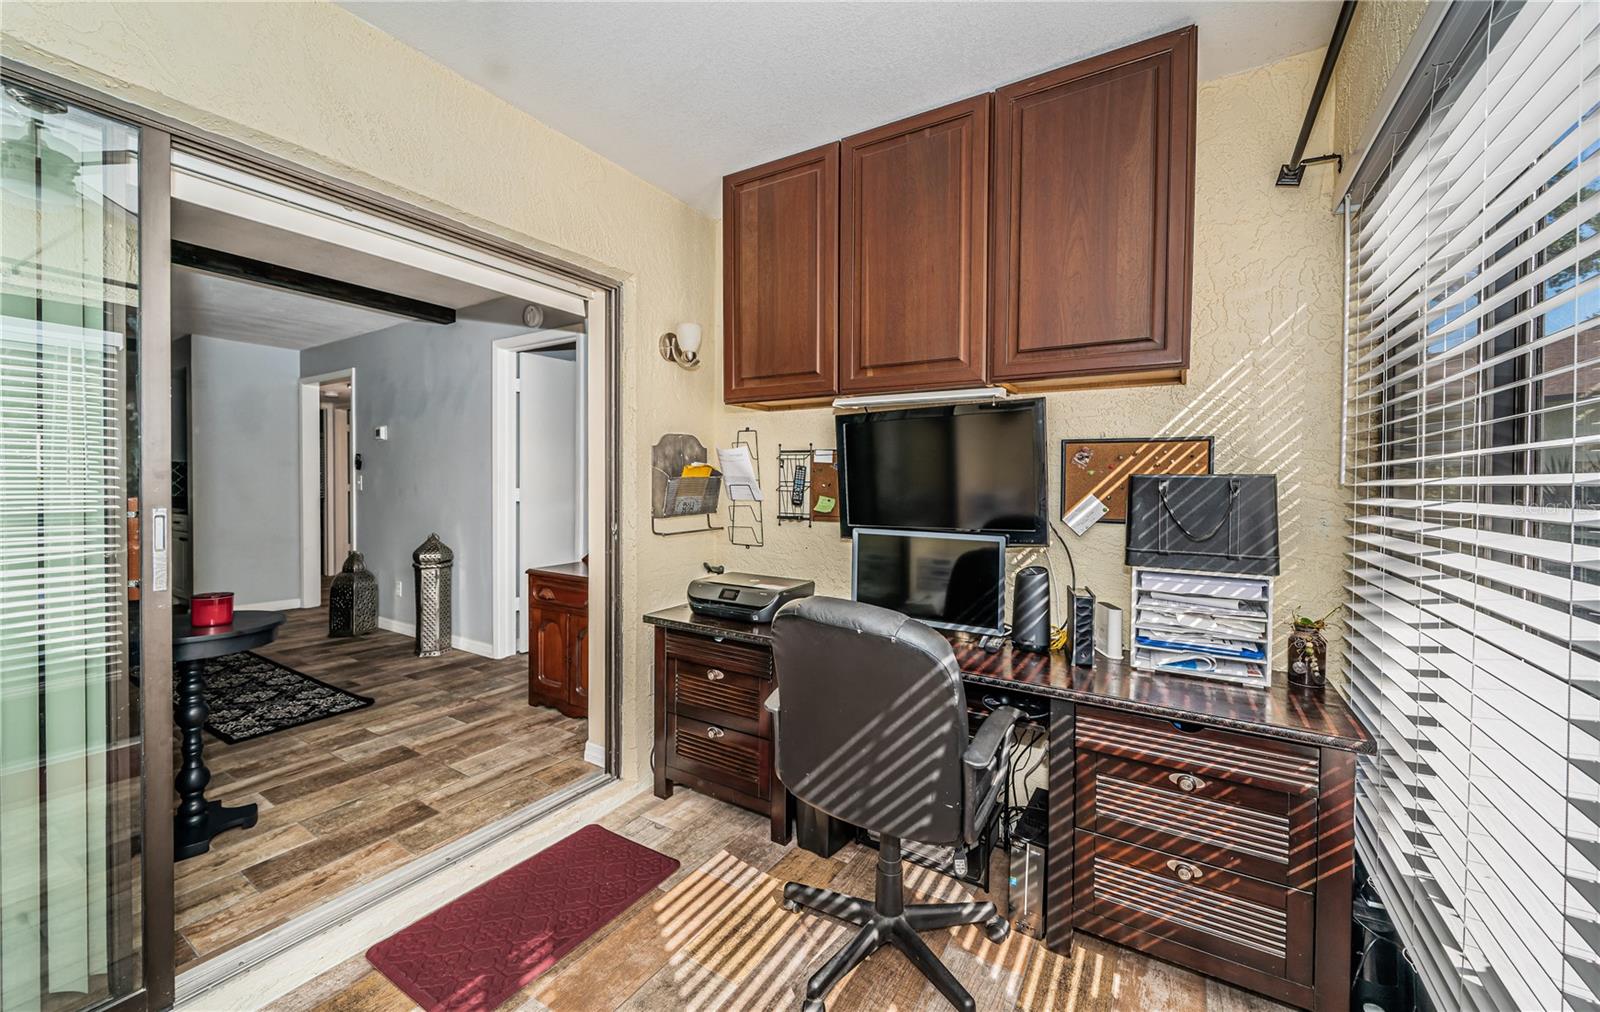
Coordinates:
1308	650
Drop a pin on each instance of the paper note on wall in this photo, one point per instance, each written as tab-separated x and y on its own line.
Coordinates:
739	474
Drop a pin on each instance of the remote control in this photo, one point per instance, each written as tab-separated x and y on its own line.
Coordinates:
798	495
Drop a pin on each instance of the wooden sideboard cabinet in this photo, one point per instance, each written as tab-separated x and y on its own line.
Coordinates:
712	732
558	638
1093	216
780	252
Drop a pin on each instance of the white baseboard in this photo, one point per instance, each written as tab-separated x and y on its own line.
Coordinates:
594	754
292	604
404	628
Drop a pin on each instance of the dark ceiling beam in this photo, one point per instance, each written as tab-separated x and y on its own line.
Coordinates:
229	265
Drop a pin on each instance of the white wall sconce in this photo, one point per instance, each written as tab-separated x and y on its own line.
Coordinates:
683	346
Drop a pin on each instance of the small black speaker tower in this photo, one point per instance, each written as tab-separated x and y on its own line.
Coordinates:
1030	610
1082	628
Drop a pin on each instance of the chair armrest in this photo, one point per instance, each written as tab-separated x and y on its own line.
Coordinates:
992	734
980	769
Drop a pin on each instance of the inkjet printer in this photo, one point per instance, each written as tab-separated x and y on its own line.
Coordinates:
745	597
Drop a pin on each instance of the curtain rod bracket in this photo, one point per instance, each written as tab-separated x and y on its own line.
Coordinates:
1290	175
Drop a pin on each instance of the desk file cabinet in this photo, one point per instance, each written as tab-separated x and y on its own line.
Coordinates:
712	732
1202	846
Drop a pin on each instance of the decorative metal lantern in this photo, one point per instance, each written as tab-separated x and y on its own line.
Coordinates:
353	599
432	561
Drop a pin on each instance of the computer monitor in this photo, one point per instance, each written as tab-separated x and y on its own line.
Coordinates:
952	581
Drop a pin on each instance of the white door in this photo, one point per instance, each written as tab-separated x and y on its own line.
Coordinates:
549	476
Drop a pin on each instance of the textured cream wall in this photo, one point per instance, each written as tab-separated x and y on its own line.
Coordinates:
1379	33
316	85
1264	377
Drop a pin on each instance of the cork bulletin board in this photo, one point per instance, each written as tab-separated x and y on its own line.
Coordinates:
1101	467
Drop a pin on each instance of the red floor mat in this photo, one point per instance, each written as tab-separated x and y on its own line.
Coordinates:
477	951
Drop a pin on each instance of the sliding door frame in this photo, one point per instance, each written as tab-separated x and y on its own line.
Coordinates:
160	135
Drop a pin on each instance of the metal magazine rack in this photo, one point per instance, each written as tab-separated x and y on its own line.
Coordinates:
746	516
675	497
794	485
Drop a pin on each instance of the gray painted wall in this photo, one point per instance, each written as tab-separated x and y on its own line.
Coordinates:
245	469
431	386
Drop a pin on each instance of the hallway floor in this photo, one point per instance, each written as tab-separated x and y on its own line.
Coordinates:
450	745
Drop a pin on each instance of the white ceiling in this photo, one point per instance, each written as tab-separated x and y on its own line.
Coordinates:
215	306
684	93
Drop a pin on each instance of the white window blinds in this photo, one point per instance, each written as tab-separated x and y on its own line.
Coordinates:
1473	405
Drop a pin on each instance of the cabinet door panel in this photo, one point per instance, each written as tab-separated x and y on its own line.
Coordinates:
1093	194
578	687
914	251
550	653
781	278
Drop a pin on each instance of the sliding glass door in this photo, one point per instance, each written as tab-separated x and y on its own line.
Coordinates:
70	787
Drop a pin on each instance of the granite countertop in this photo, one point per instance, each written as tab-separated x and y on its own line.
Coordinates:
1323	719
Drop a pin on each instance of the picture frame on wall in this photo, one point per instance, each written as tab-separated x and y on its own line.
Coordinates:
1101	468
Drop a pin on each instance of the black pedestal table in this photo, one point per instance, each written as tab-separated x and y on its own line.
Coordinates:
198	819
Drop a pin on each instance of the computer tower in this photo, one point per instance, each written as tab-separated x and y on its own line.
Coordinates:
1025	896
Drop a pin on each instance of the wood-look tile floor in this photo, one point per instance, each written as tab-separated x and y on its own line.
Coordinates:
450	745
714	936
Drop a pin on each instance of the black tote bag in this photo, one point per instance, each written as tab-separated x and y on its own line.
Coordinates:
1215	523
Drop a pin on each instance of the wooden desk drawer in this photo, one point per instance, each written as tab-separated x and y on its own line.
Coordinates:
1203	751
556	591
729	698
1225	925
726	655
741	761
1265	834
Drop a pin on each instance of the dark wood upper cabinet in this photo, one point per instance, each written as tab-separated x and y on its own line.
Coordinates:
1093	216
913	252
780	249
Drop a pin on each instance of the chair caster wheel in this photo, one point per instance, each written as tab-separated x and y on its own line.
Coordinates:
997	928
791	906
813	1005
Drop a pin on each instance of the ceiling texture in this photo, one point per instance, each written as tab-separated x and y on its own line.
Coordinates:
683	93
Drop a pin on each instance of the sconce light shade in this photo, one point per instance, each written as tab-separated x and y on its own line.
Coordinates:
682	347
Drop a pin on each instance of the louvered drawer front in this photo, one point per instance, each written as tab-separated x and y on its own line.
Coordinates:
727	655
718	696
721	754
1237	919
1265	834
1203	751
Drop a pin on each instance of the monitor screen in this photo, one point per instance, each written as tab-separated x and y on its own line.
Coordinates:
953	581
966	468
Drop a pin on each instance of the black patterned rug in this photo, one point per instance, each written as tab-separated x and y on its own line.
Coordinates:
250	696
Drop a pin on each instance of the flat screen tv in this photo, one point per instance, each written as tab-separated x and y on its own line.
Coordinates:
965	468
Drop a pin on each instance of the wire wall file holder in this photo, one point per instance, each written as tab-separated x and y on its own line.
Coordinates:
794	485
674	495
746	512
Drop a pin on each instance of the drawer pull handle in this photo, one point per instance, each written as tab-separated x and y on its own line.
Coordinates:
714	675
1185	871
714	732
546	594
1187	782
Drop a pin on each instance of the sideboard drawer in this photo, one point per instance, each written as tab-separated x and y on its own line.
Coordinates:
1245	931
551	590
1201	750
1265	834
729	698
727	756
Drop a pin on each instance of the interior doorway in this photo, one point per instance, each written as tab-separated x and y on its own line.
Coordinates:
338	475
330	478
551	526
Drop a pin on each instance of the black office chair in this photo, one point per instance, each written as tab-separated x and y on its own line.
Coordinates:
871	729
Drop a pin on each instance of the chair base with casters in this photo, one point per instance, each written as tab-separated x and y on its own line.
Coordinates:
886	920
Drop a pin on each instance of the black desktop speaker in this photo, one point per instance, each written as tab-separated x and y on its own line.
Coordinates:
1082	628
1030	610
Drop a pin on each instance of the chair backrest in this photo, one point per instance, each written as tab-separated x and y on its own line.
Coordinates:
872	718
